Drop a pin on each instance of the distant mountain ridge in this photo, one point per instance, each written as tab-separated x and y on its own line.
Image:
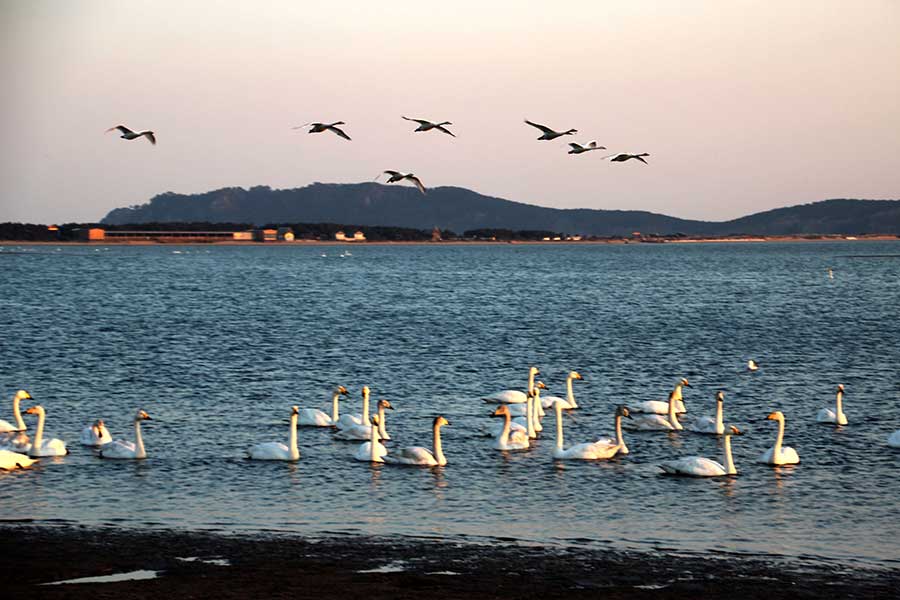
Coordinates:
460	209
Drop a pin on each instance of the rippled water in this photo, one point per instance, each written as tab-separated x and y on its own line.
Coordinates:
217	343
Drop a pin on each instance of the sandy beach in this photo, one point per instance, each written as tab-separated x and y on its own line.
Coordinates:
205	565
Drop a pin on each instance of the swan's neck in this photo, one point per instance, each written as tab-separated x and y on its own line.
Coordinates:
678	391
140	452
529	416
729	462
673	418
530	381
776	451
538	410
39	436
504	435
373	450
620	439
720	424
334	407
438	450
570	395
365	413
20	422
292	440
381	426
839	408
559	427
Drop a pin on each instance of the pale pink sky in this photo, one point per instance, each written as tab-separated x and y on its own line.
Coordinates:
743	106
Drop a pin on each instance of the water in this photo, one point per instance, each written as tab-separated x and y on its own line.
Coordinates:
216	343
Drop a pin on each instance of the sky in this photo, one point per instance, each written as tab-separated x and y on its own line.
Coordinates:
743	106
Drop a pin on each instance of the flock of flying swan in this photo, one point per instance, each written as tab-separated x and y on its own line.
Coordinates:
520	412
424	125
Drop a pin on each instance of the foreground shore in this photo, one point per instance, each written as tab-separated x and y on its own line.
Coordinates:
290	566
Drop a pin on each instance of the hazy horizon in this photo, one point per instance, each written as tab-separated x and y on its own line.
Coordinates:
743	106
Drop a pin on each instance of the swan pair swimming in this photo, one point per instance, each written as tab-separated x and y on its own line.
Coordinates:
656	422
661	408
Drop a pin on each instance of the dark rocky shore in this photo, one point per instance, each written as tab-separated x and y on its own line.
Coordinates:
285	566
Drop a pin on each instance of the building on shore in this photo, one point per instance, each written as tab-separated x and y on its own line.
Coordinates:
341	236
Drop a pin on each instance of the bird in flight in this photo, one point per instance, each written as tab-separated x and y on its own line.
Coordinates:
394	176
579	149
320	127
622	157
550	134
130	135
429	125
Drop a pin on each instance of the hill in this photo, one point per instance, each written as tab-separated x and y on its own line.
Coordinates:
459	209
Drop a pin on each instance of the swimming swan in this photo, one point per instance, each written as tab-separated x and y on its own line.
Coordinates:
662	408
778	455
711	425
569	401
124	450
271	450
836	416
417	455
357	419
40	446
527	421
752	365
313	417
658	422
698	466
513	396
373	450
360	432
599	450
621	411
95	434
507	441
6	426
10	461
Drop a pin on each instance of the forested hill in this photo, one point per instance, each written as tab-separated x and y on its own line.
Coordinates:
459	209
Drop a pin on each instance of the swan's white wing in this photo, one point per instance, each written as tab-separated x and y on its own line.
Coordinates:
416	181
696	466
312	417
13	460
826	415
650	406
119	449
412	455
506	397
269	451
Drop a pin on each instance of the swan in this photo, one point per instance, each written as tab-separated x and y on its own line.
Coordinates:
622	157
621	411
128	450
40	446
752	365
266	450
417	455
579	149
569	401
6	426
373	450
506	441
778	455
364	432
13	460
599	450
654	422
698	466
836	416
514	396
131	135
523	424
661	408
313	417
357	419
530	421
713	425
95	434
429	125
894	439
549	134
320	127
16	442
395	176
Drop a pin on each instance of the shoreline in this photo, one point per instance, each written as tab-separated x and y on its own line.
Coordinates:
192	564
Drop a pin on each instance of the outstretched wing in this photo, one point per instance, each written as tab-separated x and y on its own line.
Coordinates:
149	135
416	181
419	121
122	129
442	128
338	131
543	128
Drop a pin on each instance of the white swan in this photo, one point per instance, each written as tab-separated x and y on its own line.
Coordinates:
894	439
40	446
125	450
373	450
429	125
364	432
508	441
661	408
698	466
313	417
358	418
569	401
549	134
623	156
599	450
752	365
654	422
581	149
395	176
13	460
836	416
272	450
514	396
131	135
6	426
417	455
712	425
778	455
95	434
619	440
320	127
527	421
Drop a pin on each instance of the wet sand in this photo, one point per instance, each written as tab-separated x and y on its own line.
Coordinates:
290	566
